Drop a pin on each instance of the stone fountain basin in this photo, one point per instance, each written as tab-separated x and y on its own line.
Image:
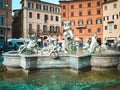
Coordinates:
44	62
105	61
97	62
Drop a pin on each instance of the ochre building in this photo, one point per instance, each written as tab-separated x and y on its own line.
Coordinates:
85	16
111	22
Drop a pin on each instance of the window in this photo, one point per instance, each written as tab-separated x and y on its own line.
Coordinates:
105	0
105	27
89	12
45	18
72	14
98	3
45	7
115	26
72	6
80	13
72	23
115	5
115	16
1	32
110	27
51	9
89	30
30	5
57	18
30	27
30	14
89	22
51	29
1	3
105	7
80	5
38	28
80	30
62	23
64	14
57	29
38	16
38	6
106	18
44	28
89	4
1	20
80	22
98	30
64	7
51	18
57	10
98	21
98	11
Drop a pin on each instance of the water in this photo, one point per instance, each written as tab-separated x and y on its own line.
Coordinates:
60	80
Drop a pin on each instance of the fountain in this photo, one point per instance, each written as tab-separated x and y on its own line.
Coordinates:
101	57
30	57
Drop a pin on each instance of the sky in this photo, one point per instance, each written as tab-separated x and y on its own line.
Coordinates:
16	3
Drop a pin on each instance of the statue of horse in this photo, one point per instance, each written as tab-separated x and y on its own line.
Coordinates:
31	47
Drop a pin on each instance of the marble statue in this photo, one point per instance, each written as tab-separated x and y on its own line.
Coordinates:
31	47
86	44
93	43
96	45
68	35
50	50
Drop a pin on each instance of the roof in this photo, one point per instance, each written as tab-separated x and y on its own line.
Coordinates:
39	1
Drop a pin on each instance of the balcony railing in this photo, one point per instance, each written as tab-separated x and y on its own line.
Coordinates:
4	26
110	22
50	32
81	26
31	31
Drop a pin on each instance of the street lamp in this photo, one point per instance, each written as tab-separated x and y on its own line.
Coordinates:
6	31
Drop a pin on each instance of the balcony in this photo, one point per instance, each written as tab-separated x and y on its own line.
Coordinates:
31	31
4	26
54	32
110	22
50	32
45	33
81	26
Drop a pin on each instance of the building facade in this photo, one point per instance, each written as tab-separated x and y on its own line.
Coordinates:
17	24
111	22
6	19
41	18
85	17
